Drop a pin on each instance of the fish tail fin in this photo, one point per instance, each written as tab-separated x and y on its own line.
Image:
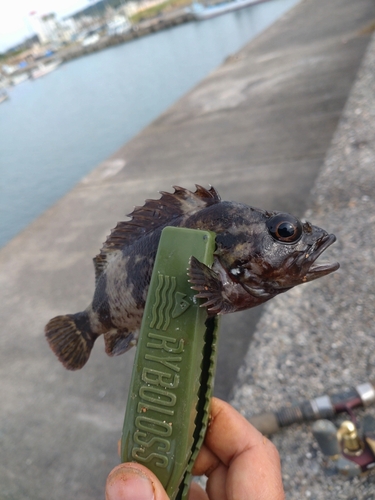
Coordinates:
71	338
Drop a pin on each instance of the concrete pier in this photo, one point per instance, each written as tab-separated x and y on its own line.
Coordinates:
258	129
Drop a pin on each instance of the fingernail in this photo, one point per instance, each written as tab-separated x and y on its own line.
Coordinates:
126	483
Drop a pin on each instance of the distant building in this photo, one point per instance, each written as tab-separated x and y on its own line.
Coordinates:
46	27
67	29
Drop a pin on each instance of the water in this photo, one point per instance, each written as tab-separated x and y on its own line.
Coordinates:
54	130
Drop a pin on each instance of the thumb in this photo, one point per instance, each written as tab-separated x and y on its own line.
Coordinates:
132	481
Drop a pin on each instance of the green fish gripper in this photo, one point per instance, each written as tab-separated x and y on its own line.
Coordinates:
171	387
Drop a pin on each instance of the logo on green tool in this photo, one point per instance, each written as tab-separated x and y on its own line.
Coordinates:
167	298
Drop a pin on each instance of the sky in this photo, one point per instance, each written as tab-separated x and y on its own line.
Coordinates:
14	26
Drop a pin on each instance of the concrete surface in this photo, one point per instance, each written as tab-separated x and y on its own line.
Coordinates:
319	338
257	129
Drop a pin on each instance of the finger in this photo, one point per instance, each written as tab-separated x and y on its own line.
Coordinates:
253	461
224	437
217	483
206	462
229	433
197	493
256	475
132	481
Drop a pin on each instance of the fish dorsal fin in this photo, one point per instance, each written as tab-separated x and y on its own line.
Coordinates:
154	214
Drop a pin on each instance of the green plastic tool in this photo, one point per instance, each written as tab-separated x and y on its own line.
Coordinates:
168	404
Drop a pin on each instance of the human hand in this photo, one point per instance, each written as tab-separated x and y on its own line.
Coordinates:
240	463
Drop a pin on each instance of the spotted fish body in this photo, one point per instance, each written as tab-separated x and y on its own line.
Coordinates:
258	255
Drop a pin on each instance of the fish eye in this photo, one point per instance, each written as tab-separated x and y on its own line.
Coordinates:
284	228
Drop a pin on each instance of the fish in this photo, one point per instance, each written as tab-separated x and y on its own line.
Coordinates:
258	255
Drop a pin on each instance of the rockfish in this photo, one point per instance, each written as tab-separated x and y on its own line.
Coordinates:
258	255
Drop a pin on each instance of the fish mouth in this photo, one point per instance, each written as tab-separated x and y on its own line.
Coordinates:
317	271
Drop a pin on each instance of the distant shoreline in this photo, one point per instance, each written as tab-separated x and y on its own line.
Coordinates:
143	28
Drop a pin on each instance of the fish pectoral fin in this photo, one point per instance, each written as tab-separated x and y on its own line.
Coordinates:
209	286
257	292
118	341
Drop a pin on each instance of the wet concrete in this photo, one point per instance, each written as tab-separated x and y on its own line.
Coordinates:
258	129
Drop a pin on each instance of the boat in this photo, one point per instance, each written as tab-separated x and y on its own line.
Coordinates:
118	26
201	12
45	68
90	40
19	78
